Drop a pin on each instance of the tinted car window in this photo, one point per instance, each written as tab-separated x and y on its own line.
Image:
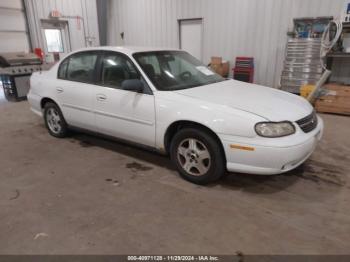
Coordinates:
117	68
62	72
151	61
81	67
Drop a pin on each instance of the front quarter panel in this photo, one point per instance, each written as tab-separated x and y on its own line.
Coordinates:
172	107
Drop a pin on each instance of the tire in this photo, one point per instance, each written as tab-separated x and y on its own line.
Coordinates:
198	156
54	120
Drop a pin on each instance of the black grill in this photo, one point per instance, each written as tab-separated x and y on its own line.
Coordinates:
309	123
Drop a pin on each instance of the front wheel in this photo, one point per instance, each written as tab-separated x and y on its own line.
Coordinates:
54	120
197	155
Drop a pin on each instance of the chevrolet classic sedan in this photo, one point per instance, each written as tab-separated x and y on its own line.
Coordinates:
169	101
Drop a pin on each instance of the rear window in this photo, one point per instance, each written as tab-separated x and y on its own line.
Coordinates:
79	67
62	71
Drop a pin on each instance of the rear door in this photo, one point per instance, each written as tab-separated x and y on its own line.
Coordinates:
120	113
75	88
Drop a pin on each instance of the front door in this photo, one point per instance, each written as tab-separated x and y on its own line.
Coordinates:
124	114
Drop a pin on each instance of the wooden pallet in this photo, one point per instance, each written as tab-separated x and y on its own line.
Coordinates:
337	101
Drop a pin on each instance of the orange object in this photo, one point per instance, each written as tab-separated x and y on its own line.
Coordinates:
216	60
219	66
306	90
247	148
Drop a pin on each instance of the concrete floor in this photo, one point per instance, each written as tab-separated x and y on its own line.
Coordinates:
86	195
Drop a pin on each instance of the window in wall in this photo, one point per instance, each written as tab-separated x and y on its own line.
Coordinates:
81	67
54	40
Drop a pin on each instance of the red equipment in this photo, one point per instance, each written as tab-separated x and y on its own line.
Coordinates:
39	52
244	69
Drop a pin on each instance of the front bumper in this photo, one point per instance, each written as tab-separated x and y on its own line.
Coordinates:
271	155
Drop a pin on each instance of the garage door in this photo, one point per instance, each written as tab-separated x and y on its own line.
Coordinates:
13	29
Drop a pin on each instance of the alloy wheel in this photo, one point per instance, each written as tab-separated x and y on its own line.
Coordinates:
53	120
194	157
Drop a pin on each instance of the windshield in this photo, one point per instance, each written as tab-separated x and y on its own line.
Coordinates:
175	70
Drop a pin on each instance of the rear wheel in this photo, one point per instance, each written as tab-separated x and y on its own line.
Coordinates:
197	155
54	120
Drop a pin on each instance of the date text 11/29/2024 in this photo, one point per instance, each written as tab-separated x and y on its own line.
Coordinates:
173	258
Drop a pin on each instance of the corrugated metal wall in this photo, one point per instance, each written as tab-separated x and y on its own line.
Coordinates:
231	27
13	31
79	34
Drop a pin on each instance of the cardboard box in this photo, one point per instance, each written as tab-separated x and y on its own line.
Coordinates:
219	66
217	69
225	68
216	60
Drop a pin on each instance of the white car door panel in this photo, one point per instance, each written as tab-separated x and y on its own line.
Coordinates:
122	113
75	91
76	100
125	114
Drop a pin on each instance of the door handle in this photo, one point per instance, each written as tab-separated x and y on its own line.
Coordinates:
101	97
59	89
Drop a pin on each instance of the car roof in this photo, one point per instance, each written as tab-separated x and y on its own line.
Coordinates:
129	50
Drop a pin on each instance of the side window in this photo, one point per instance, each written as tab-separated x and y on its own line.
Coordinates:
81	67
62	71
115	69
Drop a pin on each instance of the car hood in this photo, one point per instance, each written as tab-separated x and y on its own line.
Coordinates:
269	103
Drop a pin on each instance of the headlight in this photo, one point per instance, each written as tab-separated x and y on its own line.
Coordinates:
273	129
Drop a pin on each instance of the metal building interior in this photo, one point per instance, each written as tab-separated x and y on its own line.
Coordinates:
93	194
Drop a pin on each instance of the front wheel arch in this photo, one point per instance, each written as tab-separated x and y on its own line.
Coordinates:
178	125
197	156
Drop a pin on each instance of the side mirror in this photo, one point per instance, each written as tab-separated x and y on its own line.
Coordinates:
135	85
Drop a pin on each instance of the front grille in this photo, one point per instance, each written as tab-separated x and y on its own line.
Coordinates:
309	123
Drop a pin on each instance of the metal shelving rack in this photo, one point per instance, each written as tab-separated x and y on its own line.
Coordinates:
302	63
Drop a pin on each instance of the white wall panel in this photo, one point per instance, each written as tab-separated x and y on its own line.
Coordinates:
88	29
231	27
13	42
16	4
12	20
13	30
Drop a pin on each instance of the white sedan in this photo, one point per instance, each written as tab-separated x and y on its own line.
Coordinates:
169	101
